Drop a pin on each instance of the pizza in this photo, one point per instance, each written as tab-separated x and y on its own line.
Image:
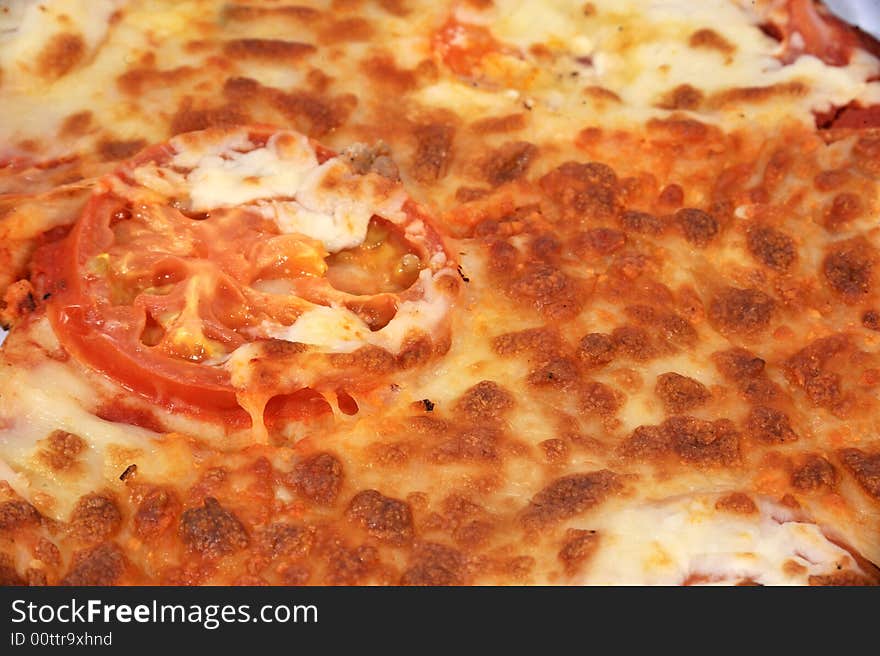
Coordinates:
393	292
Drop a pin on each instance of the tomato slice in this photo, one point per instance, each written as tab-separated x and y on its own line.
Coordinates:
822	35
157	291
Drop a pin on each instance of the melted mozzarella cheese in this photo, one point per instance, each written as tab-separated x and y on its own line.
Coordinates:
28	27
640	51
670	542
339	330
232	172
37	410
282	180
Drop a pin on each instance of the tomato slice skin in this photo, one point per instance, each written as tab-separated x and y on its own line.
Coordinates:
859	118
76	317
159	299
824	35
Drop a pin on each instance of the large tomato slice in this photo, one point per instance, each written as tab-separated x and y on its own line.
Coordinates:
157	291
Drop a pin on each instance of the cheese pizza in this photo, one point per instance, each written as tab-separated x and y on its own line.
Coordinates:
511	292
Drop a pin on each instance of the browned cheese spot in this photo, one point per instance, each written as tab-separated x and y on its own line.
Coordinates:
871	320
667	324
435	564
838	579
280	539
62	450
509	162
555	450
578	548
556	372
187	119
318	478
866	153
771	247
710	39
848	268
747	371
548	290
697	226
101	565
473	443
112	149
740	95
540	341
493	124
346	30
680	393
634	342
599	398
806	368
16	514
694	441
347	566
831	179
211	530
8	574
596	350
684	96
641	222
383	517
61	54
741	310
434	142
270	50
865	468
569	496
770	426
485	401
599	241
156	512
76	124
95	518
814	473
645	443
586	192
844	208
737	502
300	13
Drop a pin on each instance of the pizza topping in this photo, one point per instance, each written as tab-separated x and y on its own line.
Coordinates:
15	514
737	502
579	546
95	518
813	474
770	425
62	450
848	269
102	565
247	284
211	530
865	467
681	393
218	241
741	310
435	564
772	247
318	478
384	518
156	513
570	496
